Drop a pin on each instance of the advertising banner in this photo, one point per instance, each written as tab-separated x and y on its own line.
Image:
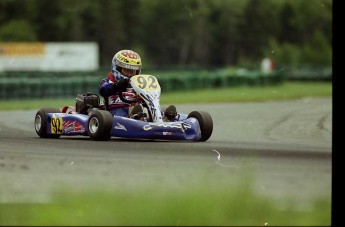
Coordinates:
55	57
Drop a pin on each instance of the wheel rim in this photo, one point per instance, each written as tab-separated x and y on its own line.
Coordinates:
38	122
93	125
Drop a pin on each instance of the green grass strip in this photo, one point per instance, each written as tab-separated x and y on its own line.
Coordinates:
287	90
234	205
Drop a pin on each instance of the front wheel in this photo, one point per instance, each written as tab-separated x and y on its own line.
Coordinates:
99	125
41	122
205	122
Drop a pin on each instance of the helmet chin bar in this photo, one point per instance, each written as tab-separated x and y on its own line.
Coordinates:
118	75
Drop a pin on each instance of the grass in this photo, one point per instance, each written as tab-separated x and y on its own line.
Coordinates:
287	90
201	205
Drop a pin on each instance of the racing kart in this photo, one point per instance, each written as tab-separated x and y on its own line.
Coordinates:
93	120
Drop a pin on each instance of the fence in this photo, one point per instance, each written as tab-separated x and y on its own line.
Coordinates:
37	85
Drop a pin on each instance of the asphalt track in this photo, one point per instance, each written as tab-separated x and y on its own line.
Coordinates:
285	147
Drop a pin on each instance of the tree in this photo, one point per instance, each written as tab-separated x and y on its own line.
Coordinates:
224	20
17	30
167	34
258	25
50	21
181	32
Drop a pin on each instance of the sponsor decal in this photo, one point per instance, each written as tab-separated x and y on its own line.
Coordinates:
183	126
73	126
120	127
22	49
122	59
56	125
114	99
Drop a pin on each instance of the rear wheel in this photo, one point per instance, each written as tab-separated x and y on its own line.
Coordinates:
205	122
99	125
41	122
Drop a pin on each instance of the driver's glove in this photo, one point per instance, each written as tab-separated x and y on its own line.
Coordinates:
122	85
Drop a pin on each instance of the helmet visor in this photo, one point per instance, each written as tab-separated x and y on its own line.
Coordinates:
128	72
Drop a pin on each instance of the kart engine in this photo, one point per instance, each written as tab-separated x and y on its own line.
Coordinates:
86	101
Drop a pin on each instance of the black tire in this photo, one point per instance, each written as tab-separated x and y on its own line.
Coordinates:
205	122
99	125
41	122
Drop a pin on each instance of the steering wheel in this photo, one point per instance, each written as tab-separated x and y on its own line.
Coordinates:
126	100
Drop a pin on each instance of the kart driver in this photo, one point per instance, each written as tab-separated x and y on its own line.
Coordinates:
125	64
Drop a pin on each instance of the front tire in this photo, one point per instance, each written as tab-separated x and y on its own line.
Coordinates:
41	122
205	122
99	125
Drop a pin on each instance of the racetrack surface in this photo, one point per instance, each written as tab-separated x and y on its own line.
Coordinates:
285	147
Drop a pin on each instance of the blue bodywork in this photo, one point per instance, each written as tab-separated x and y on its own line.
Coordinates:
76	124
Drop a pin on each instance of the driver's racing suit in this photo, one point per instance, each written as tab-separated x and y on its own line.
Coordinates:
109	88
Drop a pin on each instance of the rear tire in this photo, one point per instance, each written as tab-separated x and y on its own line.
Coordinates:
99	125
41	122
205	122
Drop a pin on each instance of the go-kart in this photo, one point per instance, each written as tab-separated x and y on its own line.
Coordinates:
99	124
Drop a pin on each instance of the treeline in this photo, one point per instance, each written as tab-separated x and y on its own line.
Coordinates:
196	33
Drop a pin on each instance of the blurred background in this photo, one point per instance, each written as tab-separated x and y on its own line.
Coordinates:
226	42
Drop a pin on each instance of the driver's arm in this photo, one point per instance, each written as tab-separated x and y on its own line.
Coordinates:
108	88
